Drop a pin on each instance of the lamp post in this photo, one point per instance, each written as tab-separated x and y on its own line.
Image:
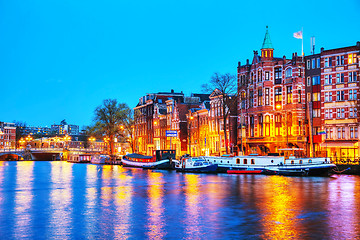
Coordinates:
28	139
21	142
66	139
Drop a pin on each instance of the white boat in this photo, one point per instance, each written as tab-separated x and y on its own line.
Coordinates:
162	159
196	165
99	159
273	165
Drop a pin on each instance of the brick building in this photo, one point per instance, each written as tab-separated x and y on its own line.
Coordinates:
271	102
7	135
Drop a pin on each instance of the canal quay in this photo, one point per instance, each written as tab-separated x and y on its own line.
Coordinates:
62	200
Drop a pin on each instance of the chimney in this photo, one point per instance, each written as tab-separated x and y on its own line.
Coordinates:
247	61
239	64
322	49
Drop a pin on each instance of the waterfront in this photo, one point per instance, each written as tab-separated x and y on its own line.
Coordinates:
60	200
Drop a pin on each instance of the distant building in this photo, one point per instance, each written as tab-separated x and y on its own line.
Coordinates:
67	129
29	130
7	135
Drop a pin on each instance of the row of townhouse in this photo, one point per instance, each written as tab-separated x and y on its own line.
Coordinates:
307	103
189	125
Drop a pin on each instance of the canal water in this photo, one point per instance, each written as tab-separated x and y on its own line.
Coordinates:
60	200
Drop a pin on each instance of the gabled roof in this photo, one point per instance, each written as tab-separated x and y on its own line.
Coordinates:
267	42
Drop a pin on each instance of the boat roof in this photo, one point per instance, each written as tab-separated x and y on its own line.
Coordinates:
136	155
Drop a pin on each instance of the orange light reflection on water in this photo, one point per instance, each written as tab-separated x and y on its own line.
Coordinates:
23	198
192	204
280	209
123	202
155	206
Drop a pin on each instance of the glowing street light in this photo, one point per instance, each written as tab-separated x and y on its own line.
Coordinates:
92	139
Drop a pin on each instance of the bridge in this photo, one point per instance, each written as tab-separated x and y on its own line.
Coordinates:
42	153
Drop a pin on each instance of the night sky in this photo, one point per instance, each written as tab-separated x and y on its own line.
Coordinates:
59	59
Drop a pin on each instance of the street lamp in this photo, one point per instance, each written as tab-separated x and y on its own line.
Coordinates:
28	139
21	142
66	139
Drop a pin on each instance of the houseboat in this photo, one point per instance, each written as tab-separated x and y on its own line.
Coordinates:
79	158
100	159
161	159
274	165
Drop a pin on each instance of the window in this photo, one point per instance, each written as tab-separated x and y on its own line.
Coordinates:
340	95
260	76
278	124
289	94
251	99
267	125
326	114
330	113
352	58
261	133
352	76
338	112
278	75
245	161
328	79
318	62
267	96
353	132
308	81
313	63
326	96
267	77
251	126
278	94
350	94
308	64
316	80
288	73
299	96
340	78
351	112
316	113
316	97
260	97
252	161
342	60
343	113
326	63
337	60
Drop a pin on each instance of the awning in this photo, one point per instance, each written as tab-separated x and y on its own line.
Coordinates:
136	155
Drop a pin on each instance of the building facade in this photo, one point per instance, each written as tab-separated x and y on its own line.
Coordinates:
271	104
7	135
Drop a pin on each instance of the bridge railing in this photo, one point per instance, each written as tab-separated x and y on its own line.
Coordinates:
50	150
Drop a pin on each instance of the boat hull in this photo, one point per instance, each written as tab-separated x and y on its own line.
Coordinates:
244	171
201	169
162	164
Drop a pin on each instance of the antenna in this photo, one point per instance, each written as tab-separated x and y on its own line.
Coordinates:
312	43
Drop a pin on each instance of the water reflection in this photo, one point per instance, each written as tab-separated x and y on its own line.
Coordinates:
91	200
344	203
23	199
155	206
192	204
123	201
60	200
280	209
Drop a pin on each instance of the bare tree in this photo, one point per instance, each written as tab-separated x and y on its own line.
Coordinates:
108	120
226	84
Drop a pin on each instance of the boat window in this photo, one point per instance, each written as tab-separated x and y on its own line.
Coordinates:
310	161
292	161
245	161
272	161
300	161
221	161
214	160
228	161
252	161
238	161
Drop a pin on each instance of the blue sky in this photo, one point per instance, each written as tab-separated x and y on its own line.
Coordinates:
59	59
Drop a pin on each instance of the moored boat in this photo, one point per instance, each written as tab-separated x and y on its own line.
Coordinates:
196	165
99	159
290	166
162	159
79	158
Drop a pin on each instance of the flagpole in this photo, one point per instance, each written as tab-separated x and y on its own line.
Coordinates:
302	43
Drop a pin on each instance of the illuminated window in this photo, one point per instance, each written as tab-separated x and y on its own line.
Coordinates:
278	124
252	161
289	94
278	95
267	76
316	96
267	125
261	133
267	96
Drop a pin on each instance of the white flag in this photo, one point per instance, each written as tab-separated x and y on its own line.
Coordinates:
298	35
